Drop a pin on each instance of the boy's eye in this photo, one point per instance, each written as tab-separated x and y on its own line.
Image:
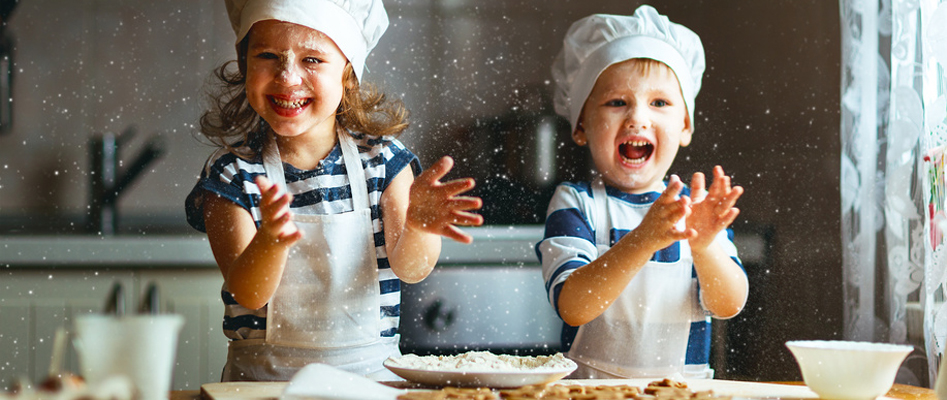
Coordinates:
616	103
659	103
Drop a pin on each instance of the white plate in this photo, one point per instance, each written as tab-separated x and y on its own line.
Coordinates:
496	380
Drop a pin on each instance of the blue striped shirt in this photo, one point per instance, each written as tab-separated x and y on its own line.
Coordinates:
324	190
569	243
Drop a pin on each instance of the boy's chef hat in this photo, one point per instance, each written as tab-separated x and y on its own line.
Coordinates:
597	41
354	25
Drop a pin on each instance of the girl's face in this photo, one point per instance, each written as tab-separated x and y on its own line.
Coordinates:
294	78
634	121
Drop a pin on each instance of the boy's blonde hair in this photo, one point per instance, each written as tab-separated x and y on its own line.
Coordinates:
644	66
231	123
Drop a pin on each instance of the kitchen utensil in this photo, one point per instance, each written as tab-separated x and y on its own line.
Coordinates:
57	379
141	347
59	351
845	370
151	302
115	302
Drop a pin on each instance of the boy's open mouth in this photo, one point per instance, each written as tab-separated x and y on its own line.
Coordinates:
635	151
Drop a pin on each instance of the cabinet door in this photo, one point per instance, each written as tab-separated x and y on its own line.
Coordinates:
34	303
195	294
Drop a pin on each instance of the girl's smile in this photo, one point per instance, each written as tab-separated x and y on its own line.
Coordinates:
294	79
287	106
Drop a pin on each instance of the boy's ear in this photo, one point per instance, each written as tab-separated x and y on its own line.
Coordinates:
578	135
687	133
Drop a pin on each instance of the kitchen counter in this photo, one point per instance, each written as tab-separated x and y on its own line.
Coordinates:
898	391
492	245
83	251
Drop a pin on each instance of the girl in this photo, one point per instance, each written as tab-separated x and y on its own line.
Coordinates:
308	207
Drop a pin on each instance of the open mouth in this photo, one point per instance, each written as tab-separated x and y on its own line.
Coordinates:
289	104
635	151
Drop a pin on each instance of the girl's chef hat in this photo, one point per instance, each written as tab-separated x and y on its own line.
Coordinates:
597	41
354	25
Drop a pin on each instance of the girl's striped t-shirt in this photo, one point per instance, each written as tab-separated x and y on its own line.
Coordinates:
324	190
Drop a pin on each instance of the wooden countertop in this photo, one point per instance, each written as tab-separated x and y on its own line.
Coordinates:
898	391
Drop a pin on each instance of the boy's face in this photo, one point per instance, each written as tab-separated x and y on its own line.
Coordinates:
294	77
634	121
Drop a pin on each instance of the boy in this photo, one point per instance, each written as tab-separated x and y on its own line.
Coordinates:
623	255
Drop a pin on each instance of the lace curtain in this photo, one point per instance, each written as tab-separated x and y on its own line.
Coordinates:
893	132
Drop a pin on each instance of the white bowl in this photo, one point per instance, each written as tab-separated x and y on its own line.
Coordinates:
846	370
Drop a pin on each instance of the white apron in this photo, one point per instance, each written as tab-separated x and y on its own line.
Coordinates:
326	308
644	333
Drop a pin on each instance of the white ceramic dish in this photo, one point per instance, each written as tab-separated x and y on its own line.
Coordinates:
492	379
845	370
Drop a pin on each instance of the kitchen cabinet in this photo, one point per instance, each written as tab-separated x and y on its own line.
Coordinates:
35	302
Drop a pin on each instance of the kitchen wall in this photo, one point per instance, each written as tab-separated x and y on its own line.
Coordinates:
768	112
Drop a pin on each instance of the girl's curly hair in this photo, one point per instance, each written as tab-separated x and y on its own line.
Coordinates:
231	123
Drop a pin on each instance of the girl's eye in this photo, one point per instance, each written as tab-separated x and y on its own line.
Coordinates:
312	60
659	103
266	55
615	103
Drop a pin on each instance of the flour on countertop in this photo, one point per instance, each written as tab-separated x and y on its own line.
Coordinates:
482	361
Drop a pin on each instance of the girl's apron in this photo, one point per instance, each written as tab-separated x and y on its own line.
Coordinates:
326	308
644	332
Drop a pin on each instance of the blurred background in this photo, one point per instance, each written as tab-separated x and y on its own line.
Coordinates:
476	78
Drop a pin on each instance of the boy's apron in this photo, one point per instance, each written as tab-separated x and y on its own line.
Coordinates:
326	308
644	332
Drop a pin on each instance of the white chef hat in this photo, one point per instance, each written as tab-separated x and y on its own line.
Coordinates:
595	42
354	25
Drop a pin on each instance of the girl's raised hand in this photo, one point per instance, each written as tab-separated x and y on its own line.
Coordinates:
276	221
435	206
713	210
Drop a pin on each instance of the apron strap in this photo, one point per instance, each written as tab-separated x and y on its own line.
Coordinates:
356	173
600	199
273	165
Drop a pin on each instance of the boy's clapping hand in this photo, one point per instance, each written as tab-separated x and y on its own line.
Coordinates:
660	224
711	210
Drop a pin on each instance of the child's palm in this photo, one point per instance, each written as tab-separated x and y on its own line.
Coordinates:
660	223
712	210
436	206
275	218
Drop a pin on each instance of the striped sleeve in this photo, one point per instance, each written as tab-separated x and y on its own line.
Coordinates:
568	242
228	176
